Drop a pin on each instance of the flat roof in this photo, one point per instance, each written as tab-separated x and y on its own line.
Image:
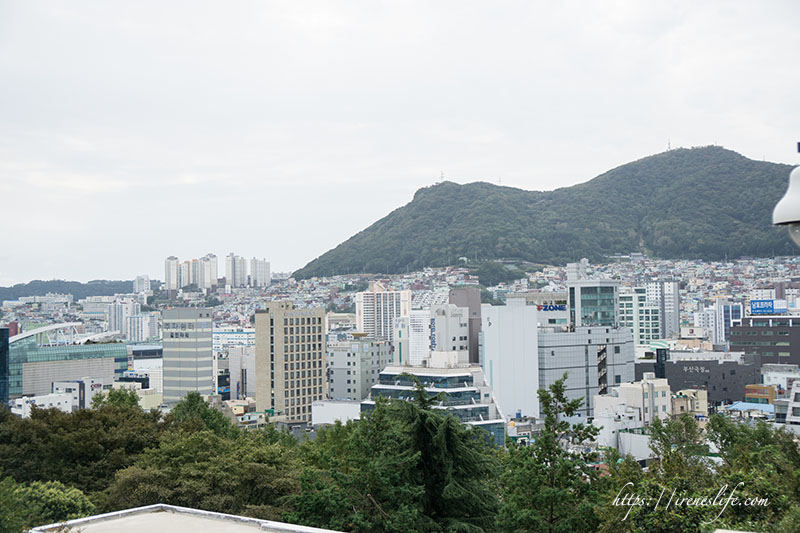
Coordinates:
175	519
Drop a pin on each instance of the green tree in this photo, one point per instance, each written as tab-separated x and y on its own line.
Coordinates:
546	486
194	413
48	502
122	398
12	514
205	470
82	449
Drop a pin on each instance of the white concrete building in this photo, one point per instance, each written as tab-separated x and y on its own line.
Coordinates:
666	296
449	328
595	358
510	355
235	271
22	407
141	284
171	274
377	310
639	315
354	366
327	412
82	391
118	313
259	273
780	375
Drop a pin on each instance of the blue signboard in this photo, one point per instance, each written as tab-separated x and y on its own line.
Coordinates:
762	307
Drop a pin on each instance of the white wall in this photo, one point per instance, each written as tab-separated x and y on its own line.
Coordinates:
511	356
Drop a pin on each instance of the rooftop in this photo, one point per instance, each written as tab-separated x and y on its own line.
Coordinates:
162	517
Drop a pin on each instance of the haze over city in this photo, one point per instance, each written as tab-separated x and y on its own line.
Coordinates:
135	131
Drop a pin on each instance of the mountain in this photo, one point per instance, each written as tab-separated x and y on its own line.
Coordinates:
699	203
75	288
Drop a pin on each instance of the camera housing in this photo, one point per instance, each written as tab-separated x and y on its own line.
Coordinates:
787	211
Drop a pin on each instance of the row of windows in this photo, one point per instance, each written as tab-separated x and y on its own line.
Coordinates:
302	329
302	321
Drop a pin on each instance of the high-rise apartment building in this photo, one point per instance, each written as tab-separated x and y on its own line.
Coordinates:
141	284
235	271
207	272
171	273
666	296
188	359
259	273
377	309
118	313
640	315
290	360
142	327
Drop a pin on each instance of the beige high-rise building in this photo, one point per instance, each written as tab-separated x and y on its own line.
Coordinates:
290	360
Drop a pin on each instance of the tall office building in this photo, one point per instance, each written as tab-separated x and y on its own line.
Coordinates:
377	309
188	359
171	273
141	284
259	272
470	298
593	302
594	358
412	338
235	271
666	296
640	315
290	360
449	328
510	355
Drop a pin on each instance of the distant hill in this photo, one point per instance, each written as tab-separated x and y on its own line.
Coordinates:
699	203
75	288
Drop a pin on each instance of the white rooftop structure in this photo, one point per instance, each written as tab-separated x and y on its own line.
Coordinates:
162	517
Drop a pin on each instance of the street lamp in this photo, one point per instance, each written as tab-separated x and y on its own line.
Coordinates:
787	212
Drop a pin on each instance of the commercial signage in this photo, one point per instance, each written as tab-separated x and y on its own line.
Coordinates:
551	307
767	307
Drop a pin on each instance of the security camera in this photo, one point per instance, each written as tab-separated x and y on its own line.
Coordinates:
787	212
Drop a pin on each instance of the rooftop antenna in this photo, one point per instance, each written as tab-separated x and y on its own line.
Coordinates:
669	145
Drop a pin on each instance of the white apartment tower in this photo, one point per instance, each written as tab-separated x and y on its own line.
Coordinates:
641	316
118	313
259	272
188	359
666	295
235	271
377	309
171	273
141	284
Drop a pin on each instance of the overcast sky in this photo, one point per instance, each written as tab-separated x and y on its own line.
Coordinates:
130	131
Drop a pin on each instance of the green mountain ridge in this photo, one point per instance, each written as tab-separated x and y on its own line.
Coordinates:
694	203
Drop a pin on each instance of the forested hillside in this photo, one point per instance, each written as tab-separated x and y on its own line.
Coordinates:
700	203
